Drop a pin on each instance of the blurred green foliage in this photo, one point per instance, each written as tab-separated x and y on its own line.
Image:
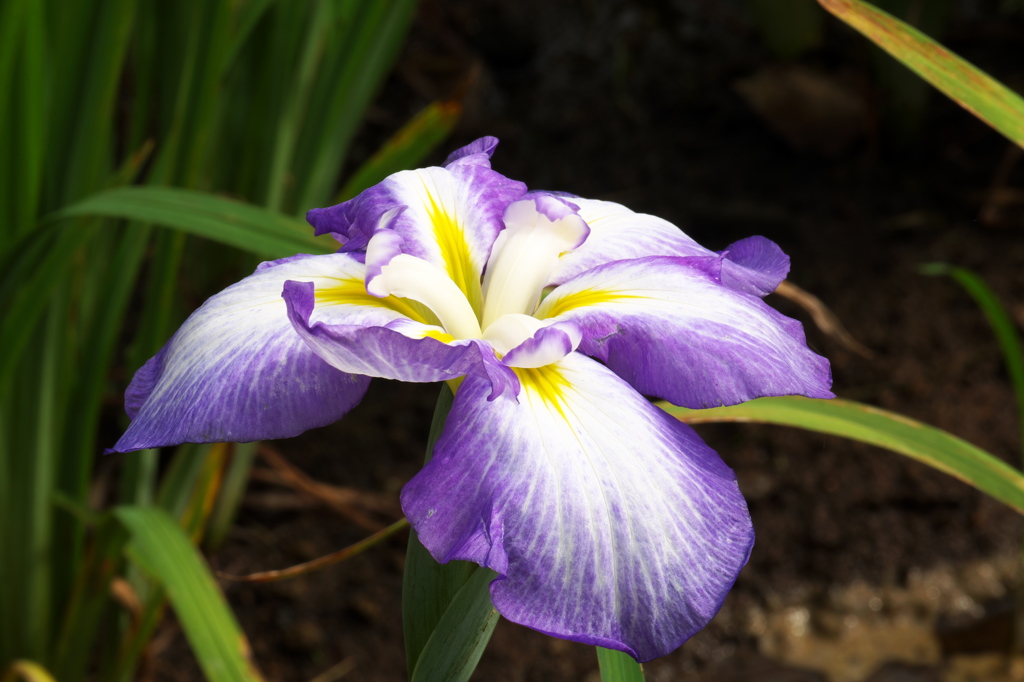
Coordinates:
257	99
906	94
789	27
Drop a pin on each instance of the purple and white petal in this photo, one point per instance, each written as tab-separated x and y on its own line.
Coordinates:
526	342
617	233
609	522
478	152
672	330
403	349
448	217
236	370
754	265
550	344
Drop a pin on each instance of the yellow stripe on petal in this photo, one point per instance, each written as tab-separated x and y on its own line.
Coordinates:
440	336
581	299
547	383
458	263
353	292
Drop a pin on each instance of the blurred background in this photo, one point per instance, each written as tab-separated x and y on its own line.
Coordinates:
726	117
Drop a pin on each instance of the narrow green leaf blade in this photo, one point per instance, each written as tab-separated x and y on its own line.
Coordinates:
29	671
1002	324
971	88
406	148
246	18
462	634
236	479
428	587
250	228
378	30
618	667
161	548
875	426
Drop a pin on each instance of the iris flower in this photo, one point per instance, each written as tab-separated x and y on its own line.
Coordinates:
607	521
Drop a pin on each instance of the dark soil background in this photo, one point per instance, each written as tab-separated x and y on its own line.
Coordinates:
642	102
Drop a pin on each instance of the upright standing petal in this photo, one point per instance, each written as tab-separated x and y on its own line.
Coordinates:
447	216
609	522
537	230
451	218
237	371
477	152
671	329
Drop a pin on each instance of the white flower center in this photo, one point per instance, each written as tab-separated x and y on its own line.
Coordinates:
523	257
411	277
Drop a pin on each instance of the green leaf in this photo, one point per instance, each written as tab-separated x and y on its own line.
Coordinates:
161	548
375	34
406	148
1002	324
970	87
89	598
236	479
296	102
23	298
875	426
458	641
26	670
428	588
246	19
446	608
617	666
250	228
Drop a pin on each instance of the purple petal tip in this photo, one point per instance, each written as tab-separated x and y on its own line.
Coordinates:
483	148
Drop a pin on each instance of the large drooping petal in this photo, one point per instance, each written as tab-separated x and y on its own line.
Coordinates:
448	216
755	265
237	371
401	349
671	329
609	522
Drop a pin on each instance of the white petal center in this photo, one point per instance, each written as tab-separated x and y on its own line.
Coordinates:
410	277
524	256
508	331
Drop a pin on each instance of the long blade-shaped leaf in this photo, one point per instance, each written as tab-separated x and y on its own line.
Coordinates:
1003	326
875	426
372	45
967	85
250	228
462	634
618	667
26	670
161	548
246	19
428	587
446	608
